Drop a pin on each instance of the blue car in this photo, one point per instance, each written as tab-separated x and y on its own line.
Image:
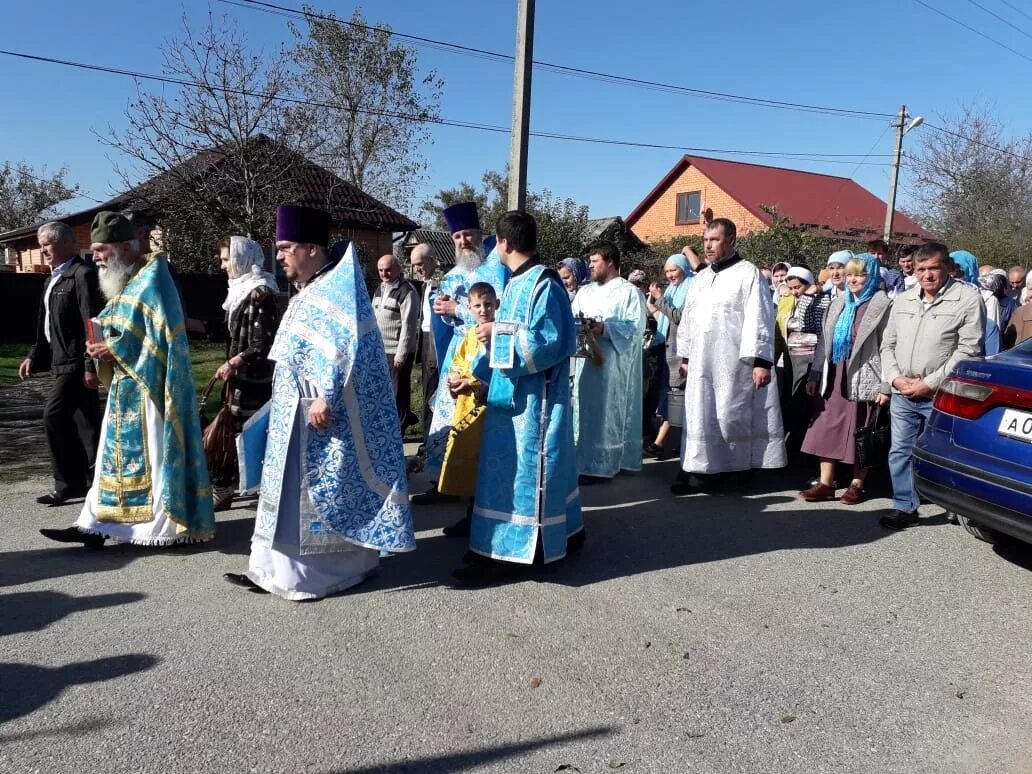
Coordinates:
975	455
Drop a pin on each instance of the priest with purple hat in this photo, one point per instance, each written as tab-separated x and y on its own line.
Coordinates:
451	319
333	489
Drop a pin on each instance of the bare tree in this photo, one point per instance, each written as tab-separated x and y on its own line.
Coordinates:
972	186
27	196
216	154
374	139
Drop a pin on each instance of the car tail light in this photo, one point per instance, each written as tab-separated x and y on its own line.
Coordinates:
969	399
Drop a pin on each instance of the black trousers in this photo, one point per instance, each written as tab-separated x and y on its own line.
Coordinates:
430	378
71	419
403	395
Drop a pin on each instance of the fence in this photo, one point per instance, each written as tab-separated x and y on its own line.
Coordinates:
22	292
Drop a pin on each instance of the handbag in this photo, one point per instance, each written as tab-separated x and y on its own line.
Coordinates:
872	440
219	437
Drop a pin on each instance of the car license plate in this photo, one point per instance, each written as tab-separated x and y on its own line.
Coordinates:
1016	424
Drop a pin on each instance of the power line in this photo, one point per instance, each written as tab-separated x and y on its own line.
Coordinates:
799	156
75	191
1014	8
959	136
997	16
282	10
972	29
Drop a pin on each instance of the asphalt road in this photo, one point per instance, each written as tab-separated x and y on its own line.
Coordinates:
741	633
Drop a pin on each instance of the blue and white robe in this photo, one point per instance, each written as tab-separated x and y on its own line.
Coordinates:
449	331
330	491
608	398
527	479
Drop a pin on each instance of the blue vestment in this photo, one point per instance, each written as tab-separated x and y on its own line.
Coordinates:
144	328
352	481
448	334
527	479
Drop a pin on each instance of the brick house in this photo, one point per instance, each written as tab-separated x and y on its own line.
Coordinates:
356	215
700	188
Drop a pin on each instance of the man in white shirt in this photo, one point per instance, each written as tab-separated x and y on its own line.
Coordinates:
424	266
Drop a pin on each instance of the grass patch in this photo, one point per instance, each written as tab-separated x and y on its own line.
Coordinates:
206	359
11	356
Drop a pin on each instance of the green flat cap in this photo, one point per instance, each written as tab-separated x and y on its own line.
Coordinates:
111	228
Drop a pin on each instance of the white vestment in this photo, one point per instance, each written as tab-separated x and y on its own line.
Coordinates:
159	531
728	325
607	399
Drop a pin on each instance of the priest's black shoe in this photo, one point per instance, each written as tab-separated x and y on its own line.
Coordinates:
459	528
53	499
240	579
480	574
899	520
74	535
432	497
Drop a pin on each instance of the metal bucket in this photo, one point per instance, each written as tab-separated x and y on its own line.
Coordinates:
675	408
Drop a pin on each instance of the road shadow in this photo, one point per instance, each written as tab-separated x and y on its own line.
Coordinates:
33	611
232	536
643	528
24	688
464	760
74	729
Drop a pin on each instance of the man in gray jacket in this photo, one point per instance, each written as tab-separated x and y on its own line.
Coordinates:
933	326
396	306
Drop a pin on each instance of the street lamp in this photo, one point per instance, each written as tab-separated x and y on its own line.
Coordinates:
902	127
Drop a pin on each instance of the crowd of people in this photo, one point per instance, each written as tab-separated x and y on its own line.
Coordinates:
537	381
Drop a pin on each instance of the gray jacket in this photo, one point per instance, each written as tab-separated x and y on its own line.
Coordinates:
928	343
863	365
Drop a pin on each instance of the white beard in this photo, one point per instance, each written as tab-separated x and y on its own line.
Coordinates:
114	276
469	260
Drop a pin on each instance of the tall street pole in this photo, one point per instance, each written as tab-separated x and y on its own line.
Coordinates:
521	105
891	209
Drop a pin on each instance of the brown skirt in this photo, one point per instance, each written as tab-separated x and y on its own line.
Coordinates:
834	423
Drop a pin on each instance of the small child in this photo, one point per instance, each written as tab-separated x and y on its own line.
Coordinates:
462	454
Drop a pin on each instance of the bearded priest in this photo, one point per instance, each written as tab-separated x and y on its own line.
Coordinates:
151	483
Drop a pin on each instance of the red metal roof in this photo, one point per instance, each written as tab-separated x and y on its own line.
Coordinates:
819	202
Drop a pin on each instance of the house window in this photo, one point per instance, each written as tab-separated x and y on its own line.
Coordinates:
689	205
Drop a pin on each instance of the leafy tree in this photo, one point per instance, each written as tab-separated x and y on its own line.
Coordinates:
376	82
216	156
972	186
561	222
27	197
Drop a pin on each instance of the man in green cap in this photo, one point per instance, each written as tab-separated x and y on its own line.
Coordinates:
151	483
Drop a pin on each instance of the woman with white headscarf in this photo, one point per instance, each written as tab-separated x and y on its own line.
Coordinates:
252	316
666	306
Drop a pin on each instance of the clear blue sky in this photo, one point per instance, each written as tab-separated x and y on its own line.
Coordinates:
869	55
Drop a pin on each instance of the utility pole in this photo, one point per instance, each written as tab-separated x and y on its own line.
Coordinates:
890	212
521	105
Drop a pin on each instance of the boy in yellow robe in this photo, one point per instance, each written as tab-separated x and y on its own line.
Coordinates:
462	454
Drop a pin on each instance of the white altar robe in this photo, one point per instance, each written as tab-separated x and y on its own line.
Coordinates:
607	400
727	325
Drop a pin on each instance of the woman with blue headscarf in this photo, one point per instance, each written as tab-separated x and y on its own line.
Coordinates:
846	373
574	273
967	269
666	307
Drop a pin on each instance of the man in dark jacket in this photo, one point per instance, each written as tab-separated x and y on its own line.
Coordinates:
71	416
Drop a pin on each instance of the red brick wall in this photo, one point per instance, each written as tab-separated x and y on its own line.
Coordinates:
659	221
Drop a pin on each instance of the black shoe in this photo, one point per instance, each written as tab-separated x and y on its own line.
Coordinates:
684	488
74	535
651	450
459	528
53	499
575	542
432	497
585	480
240	579
478	575
899	520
